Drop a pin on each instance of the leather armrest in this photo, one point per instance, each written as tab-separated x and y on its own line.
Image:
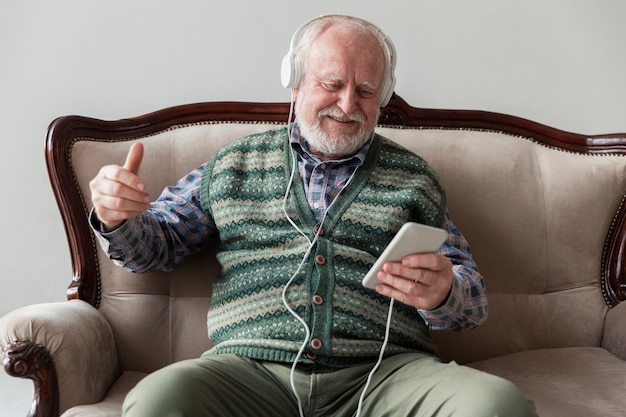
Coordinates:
79	341
614	338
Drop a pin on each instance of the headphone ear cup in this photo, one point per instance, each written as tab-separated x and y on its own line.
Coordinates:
286	71
387	90
390	80
290	70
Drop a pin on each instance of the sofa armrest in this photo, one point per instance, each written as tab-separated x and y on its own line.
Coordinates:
614	338
67	341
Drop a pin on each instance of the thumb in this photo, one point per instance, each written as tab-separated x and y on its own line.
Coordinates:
134	157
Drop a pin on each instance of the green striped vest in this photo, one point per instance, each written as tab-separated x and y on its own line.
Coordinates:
243	190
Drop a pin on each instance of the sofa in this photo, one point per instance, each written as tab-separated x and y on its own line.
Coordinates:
543	210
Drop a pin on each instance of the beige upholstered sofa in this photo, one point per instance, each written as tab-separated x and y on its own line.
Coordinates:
543	210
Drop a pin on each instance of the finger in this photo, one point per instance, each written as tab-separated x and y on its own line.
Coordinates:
405	273
134	158
114	199
405	282
119	182
396	288
424	260
113	210
128	200
430	265
128	174
408	292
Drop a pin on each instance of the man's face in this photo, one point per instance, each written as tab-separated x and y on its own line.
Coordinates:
338	100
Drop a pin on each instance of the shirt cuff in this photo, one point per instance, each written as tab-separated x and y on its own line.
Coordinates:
109	238
97	225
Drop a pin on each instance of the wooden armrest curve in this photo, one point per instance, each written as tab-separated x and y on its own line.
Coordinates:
60	346
33	361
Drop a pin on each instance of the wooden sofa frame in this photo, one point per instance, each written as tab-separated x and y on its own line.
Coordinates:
27	360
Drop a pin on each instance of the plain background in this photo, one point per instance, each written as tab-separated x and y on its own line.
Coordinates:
558	62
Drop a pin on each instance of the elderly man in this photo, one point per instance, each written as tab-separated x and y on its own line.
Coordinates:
301	214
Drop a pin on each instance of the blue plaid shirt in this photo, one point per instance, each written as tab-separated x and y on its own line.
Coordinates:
323	180
176	226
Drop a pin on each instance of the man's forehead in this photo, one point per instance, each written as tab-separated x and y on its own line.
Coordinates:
343	43
369	80
339	67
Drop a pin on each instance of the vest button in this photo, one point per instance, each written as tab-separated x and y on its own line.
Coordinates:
316	344
320	259
311	356
318	300
318	230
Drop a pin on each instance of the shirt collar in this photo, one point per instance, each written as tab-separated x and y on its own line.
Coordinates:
301	147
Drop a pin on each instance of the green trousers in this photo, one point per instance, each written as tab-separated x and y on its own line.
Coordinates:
404	385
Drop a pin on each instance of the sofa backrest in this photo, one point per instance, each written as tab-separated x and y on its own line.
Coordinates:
537	218
158	317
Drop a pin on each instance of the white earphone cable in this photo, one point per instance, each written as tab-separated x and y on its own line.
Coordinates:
380	359
312	242
307	330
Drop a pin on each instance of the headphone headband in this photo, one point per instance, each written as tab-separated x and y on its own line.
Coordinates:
291	66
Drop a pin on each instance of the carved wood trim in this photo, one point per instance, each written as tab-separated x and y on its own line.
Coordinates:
32	361
399	113
61	136
614	258
64	131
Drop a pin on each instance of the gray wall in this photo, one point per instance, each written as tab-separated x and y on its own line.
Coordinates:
560	62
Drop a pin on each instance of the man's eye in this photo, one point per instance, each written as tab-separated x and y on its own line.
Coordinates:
366	93
332	86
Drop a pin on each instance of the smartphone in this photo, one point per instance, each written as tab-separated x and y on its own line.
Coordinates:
411	238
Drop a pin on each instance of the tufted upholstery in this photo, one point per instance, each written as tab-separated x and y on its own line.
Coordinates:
538	217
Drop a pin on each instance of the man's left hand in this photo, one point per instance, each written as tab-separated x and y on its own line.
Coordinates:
423	281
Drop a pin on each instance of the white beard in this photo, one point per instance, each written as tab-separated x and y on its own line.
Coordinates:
341	145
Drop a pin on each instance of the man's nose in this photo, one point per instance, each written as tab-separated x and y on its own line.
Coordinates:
347	100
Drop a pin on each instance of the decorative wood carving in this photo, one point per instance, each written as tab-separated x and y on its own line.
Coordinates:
63	131
614	259
28	360
34	362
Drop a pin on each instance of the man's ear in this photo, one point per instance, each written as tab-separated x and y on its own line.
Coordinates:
294	92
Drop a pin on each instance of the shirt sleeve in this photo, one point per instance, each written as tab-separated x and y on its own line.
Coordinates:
466	306
160	238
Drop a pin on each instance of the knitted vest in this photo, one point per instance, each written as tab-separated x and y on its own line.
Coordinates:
243	190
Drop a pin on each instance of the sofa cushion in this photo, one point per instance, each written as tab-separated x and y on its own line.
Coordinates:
536	218
572	382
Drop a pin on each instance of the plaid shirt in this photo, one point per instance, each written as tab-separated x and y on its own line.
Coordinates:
176	226
323	180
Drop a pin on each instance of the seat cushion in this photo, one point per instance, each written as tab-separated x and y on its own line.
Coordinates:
572	382
111	406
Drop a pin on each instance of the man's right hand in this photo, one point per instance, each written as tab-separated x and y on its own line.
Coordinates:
117	192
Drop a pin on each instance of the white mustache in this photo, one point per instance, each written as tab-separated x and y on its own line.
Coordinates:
336	113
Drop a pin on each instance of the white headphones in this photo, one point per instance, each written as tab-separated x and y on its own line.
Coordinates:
291	67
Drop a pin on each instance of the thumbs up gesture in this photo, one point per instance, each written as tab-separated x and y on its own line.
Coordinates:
117	192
